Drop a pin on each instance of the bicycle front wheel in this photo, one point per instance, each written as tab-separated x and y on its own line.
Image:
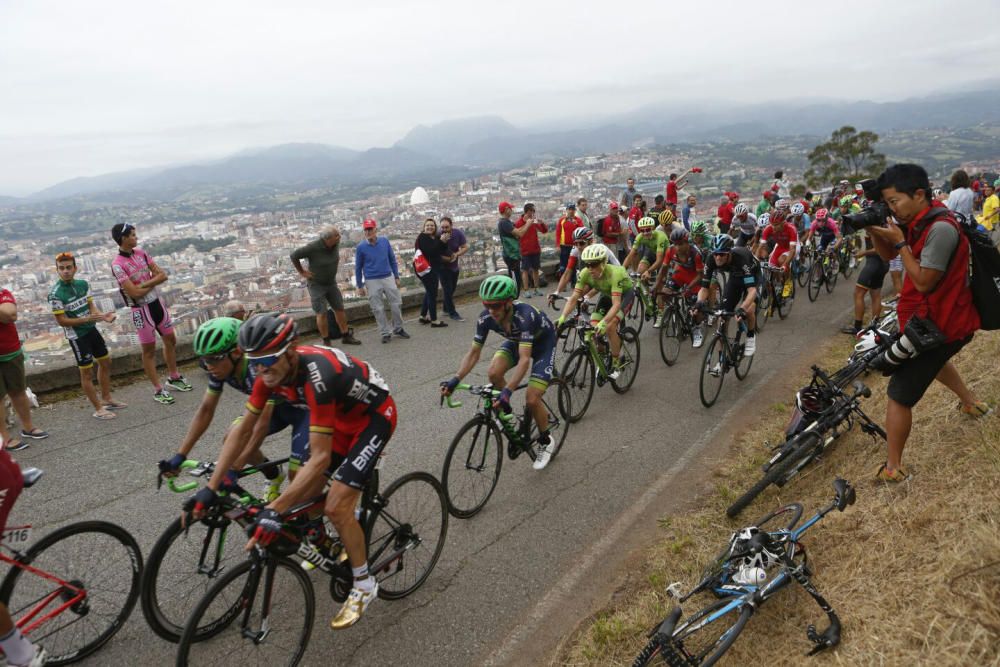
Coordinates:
832	273
182	566
765	304
98	565
629	361
268	608
577	375
636	314
806	445
671	333
742	363
406	534
815	280
785	305
712	371
704	641
472	467
805	268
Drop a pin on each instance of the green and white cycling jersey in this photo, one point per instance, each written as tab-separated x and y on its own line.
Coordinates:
73	300
613	280
658	242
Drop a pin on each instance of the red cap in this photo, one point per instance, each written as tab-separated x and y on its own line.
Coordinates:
774	188
696	170
734	195
368	224
613	206
505	205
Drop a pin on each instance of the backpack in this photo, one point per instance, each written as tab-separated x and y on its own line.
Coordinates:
984	273
600	227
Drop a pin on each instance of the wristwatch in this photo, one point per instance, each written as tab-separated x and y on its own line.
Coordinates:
899	246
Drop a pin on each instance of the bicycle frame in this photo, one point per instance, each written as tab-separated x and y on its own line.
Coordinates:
28	622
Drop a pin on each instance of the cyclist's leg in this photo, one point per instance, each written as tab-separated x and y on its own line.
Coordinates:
15	646
503	361
543	358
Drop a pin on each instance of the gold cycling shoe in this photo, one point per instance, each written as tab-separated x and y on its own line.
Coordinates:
354	608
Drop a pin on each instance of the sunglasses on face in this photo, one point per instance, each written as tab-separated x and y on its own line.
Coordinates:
593	265
265	362
212	359
580	243
493	305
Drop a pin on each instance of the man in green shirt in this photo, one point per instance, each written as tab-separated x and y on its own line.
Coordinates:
321	278
74	310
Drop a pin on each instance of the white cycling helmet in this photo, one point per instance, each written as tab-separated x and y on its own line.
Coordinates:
798	209
870	339
741	209
764	220
783	205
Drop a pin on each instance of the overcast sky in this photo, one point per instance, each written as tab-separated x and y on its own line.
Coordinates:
98	86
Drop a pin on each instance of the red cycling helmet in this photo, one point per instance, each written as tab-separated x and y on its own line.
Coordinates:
821	214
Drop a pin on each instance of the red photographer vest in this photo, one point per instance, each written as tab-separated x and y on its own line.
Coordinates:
949	305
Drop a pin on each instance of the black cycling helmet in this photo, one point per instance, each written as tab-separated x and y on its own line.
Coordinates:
722	243
267	333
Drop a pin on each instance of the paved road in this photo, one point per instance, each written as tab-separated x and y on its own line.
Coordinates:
495	566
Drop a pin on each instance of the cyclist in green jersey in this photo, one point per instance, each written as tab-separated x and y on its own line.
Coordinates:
649	247
617	294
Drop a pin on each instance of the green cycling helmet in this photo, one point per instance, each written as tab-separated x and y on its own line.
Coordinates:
498	288
216	336
698	228
846	200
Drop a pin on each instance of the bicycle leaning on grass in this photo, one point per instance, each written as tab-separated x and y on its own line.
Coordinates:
760	560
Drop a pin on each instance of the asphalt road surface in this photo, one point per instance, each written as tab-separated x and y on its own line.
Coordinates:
495	567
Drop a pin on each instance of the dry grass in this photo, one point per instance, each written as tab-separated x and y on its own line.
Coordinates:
913	571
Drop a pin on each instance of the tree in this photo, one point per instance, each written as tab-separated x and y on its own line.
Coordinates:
848	154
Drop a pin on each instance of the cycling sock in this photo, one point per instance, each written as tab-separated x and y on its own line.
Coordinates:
751	334
17	648
544	439
362	581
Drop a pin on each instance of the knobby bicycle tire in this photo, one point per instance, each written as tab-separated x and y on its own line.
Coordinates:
167	617
630	365
579	375
247	593
713	350
100	562
392	525
484	450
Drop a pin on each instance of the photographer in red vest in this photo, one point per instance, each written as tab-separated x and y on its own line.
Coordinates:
935	256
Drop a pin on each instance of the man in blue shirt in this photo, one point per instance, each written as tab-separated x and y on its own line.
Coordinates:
376	272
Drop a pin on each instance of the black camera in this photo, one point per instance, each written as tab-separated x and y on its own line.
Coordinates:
873	216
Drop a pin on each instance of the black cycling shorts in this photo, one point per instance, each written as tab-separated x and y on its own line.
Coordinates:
736	289
88	347
604	305
356	468
873	272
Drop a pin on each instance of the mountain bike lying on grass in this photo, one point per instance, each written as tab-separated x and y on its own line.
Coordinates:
827	412
760	560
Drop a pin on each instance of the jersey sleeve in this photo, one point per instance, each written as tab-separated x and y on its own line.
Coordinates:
55	302
258	396
482	329
793	234
766	234
582	281
706	278
663	242
119	273
618	282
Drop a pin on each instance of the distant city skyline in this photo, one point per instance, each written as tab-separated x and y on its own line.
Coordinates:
109	85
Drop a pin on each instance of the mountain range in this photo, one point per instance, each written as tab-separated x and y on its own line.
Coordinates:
454	148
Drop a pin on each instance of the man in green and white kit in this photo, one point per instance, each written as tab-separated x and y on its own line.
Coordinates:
76	313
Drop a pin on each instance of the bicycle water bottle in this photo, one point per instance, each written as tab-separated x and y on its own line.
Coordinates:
509	423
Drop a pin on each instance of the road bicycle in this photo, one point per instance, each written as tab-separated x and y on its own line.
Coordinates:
824	272
848	262
475	456
261	610
759	561
72	590
591	364
189	555
643	307
772	296
677	325
721	356
824	412
802	265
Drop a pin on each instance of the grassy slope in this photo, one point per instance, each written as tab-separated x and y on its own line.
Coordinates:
913	571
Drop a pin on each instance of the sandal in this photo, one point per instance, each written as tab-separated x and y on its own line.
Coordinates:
35	434
104	414
977	410
894	477
16	446
115	405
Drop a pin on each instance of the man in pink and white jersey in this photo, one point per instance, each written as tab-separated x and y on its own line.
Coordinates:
138	275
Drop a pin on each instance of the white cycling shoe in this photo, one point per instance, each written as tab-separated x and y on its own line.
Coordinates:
750	346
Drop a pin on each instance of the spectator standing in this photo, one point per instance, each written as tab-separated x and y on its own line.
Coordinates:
76	313
436	252
659	206
764	205
377	275
688	213
869	282
12	379
725	213
991	207
234	308
581	212
510	242
628	194
323	256
781	185
458	245
961	197
671	199
935	258
611	232
531	250
138	277
564	235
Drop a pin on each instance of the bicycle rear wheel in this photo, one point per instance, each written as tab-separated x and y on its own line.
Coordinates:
268	608
472	467
712	372
406	534
96	561
636	315
702	641
805	268
815	280
671	334
182	566
629	358
832	273
806	445
577	374
847	259
786	302
742	363
558	428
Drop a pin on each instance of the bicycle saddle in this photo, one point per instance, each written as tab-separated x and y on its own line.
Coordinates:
31	475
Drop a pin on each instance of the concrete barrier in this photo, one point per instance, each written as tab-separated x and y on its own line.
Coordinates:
61	377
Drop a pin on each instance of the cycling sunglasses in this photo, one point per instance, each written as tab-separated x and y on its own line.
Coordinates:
594	265
493	305
268	360
211	360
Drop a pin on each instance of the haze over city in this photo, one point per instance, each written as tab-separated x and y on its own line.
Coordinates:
108	86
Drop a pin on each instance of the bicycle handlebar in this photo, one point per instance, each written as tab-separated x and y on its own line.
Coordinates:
478	390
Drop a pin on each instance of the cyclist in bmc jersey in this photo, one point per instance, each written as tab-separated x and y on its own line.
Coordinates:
617	294
683	266
351	418
529	344
215	344
138	275
744	278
